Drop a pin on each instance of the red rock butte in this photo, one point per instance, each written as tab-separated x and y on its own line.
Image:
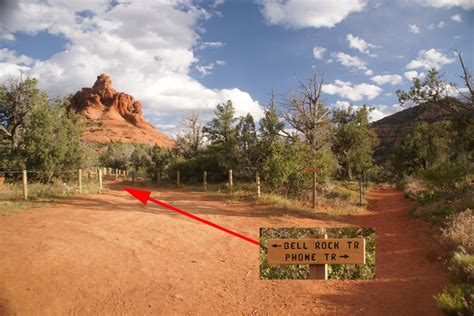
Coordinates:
113	116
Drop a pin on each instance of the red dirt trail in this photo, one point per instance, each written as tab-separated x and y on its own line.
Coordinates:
109	255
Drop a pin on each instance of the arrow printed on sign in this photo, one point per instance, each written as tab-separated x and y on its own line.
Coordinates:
344	256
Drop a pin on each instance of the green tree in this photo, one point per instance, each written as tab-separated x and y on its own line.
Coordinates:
117	155
424	146
222	134
354	140
247	142
17	102
51	141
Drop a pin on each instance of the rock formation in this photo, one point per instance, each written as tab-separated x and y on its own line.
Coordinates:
113	116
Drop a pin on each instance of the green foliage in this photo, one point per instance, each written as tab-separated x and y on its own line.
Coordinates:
424	146
117	156
462	267
285	166
222	134
51	142
449	176
17	102
456	300
354	140
354	271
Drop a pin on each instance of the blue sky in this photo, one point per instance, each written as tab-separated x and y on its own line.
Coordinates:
181	56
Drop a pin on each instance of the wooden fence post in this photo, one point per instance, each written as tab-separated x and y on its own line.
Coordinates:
314	190
25	185
319	271
88	174
257	180
100	180
123	175
204	180
231	183
177	179
116	174
133	176
80	180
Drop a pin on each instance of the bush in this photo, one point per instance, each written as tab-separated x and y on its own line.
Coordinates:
462	268
449	176
459	231
457	300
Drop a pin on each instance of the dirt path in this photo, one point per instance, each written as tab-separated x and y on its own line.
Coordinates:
107	254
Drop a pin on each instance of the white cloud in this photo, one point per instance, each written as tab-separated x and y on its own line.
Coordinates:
465	4
456	18
413	28
309	13
8	56
206	45
381	110
384	79
377	112
150	60
441	24
431	26
318	52
6	36
205	69
360	44
342	104
352	92
220	62
412	74
352	62
430	59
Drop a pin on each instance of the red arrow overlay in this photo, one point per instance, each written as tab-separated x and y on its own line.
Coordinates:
144	197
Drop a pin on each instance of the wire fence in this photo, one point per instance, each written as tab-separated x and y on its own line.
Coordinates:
15	184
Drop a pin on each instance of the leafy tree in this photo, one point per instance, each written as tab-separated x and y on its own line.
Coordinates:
270	125
17	102
221	128
117	155
354	140
140	159
51	141
247	142
222	134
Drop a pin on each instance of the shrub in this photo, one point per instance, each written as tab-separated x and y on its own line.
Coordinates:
457	300
462	268
459	231
447	177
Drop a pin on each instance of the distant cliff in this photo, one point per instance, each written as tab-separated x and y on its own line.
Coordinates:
113	116
392	129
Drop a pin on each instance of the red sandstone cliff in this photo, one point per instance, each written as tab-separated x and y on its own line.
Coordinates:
113	116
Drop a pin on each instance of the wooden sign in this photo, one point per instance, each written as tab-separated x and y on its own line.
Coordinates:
316	251
313	170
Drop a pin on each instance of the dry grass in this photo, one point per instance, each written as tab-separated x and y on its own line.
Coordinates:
459	231
39	194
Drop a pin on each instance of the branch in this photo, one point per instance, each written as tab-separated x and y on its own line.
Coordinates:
5	131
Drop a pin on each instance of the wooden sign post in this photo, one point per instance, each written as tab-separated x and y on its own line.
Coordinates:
319	271
314	171
317	252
